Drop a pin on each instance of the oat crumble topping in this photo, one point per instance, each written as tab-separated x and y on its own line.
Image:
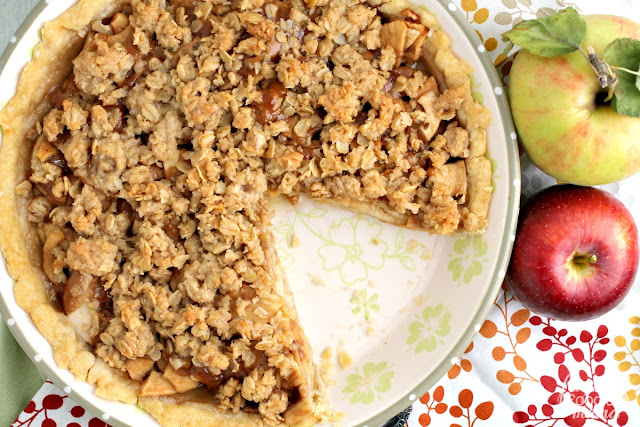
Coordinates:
150	176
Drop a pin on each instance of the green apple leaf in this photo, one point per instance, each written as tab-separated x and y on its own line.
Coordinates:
550	36
623	55
638	80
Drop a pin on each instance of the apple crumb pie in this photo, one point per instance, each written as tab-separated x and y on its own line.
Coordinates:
139	154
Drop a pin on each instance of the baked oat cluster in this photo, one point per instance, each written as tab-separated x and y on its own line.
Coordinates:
150	176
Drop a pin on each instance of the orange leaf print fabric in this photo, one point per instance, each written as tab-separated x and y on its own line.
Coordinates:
461	409
533	371
551	372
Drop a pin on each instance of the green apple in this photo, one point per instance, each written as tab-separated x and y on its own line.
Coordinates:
563	124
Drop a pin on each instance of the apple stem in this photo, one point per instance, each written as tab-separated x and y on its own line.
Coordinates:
604	73
585	259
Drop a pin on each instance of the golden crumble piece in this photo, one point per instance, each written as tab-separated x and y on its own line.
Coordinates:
94	256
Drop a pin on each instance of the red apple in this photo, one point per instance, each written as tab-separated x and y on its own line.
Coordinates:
575	255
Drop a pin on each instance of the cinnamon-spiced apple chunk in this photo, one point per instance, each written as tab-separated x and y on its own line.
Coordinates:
153	157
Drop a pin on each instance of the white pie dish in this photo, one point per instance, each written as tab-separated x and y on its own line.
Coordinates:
364	264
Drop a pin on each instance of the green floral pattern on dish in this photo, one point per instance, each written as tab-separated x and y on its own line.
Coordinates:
351	248
365	387
365	304
429	329
138	410
343	251
286	232
283	245
404	252
476	90
467	259
494	170
33	43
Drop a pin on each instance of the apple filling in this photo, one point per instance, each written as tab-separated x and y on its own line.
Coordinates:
149	179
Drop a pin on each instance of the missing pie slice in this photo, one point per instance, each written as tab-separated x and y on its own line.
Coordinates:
138	155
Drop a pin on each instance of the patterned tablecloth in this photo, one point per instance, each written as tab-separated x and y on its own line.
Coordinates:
521	369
